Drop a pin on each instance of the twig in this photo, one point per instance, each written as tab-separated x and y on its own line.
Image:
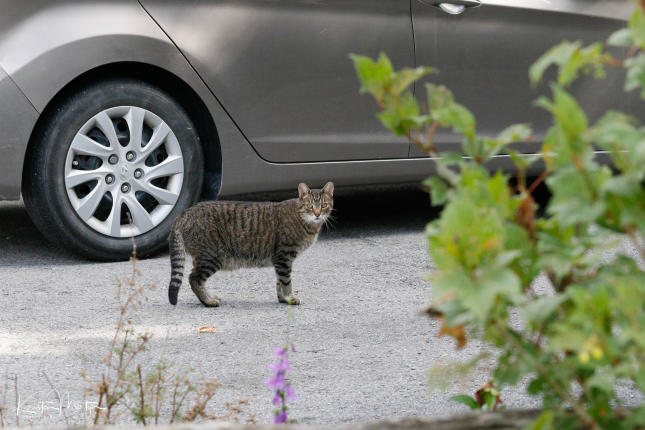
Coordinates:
60	402
432	130
176	406
142	395
97	410
537	182
17	396
4	400
429	149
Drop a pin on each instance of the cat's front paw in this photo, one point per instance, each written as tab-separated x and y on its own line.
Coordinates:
290	300
211	301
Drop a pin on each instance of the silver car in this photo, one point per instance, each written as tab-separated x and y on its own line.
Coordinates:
116	116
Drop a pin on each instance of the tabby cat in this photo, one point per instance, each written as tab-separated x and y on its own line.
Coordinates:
232	235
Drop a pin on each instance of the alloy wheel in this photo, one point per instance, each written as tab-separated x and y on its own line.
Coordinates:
124	171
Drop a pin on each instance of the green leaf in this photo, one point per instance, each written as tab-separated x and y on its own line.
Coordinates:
603	381
446	112
567	112
405	77
586	60
636	418
640	379
438	190
466	400
558	55
539	310
637	27
573	201
439	96
546	421
457	117
374	76
635	73
490	400
522	161
571	60
492	285
514	133
618	133
401	114
622	37
450	158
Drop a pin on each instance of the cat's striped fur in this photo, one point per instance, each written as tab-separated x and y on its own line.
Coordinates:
232	235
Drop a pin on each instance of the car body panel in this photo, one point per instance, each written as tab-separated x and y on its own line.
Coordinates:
17	117
128	34
46	44
484	55
608	9
281	69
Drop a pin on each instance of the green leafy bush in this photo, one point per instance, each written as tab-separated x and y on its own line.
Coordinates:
580	341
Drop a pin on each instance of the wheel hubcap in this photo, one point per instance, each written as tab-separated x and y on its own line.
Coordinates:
124	171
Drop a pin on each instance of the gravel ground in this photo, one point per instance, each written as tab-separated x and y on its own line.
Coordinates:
363	350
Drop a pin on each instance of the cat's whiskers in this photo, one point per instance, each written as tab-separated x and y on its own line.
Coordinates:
330	221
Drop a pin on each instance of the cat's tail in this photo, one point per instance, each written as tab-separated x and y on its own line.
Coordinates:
177	260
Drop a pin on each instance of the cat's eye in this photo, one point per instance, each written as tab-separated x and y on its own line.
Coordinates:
325	206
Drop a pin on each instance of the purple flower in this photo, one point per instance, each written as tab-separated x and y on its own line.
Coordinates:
280	417
279	352
281	366
289	394
276	382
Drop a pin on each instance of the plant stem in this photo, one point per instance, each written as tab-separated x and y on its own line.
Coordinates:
537	182
17	396
429	149
60	402
143	397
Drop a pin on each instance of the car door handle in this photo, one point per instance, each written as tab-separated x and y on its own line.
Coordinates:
452	7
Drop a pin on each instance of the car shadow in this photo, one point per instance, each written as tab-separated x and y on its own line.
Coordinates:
21	244
357	213
372	212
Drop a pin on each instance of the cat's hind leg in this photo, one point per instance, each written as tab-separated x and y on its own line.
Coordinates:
202	270
282	263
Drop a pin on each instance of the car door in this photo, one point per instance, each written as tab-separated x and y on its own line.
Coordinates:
281	69
484	53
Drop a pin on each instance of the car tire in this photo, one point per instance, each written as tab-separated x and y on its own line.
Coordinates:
75	143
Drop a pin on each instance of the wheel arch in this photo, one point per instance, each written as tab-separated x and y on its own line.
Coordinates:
167	81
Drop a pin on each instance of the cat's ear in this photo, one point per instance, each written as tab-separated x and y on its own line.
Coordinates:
303	190
329	189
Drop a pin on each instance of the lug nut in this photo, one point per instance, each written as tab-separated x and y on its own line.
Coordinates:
130	156
125	188
75	163
138	173
113	159
109	179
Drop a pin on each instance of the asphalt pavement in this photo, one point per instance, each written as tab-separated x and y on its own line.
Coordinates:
363	351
